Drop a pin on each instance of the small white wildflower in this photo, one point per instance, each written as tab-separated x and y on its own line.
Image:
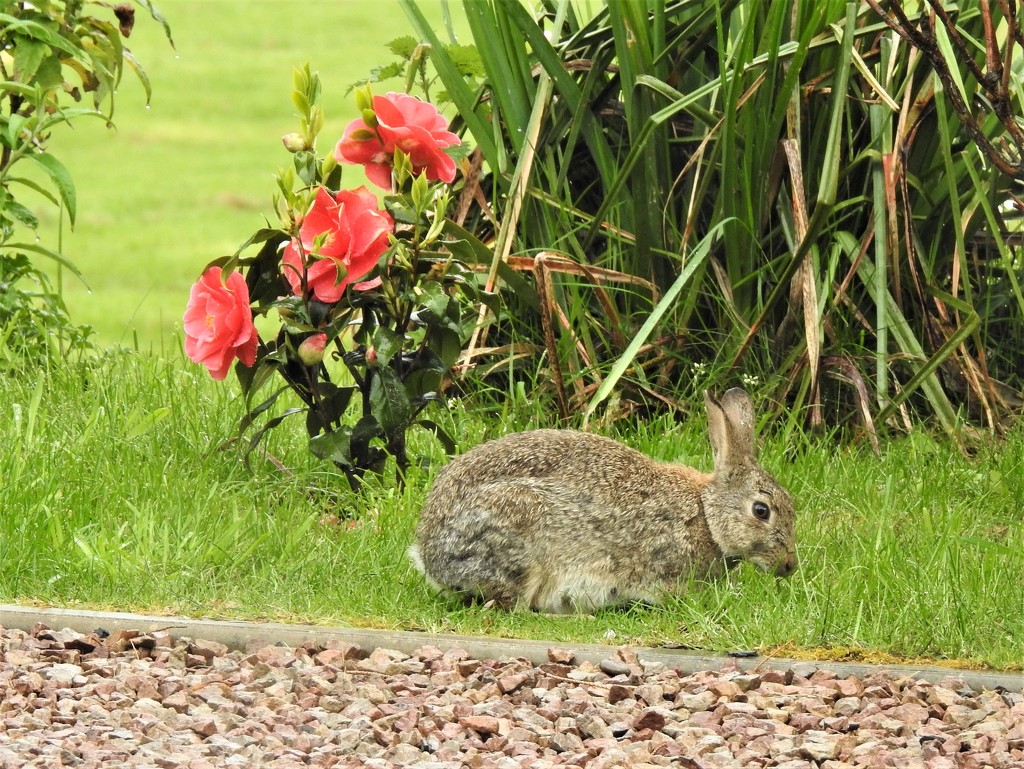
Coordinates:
749	380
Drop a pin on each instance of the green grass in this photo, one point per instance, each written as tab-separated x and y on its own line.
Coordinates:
189	178
117	495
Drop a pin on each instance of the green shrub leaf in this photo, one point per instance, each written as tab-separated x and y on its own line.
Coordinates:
61	180
389	402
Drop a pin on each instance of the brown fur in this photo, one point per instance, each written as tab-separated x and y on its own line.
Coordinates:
560	520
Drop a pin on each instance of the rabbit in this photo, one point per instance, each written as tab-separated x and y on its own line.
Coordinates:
561	521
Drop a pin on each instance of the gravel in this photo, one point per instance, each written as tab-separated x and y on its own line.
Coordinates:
153	700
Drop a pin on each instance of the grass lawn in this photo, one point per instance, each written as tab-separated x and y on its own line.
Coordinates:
189	178
116	495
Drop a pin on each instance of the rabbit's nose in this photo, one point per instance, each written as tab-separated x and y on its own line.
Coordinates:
786	566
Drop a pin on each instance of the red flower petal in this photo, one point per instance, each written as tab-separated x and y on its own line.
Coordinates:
379	174
354	147
291	265
366	285
322	279
404	122
218	322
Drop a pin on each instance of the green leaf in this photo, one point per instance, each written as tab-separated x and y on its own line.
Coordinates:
21	214
33	185
388	344
49	75
140	73
418	192
252	378
61	180
432	362
466	59
446	344
434	299
333	403
386	71
306	167
158	17
389	402
301	77
35	248
270	425
365	430
28	54
263	276
403	46
67	114
250	417
47	34
25	91
335	446
301	102
401	213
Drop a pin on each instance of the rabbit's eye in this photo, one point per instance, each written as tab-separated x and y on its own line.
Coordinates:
761	511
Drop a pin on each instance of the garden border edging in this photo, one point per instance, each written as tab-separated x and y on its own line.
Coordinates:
237	634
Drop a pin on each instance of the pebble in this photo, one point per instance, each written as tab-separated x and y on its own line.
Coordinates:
613	667
89	702
804	669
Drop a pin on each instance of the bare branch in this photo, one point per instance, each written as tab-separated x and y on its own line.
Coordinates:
965	53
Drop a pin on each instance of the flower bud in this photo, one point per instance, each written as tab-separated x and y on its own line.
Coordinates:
311	351
364	98
371	357
294	142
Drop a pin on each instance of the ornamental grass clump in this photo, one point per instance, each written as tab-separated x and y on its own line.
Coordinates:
371	307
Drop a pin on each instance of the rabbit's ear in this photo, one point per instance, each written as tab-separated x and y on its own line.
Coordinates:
731	428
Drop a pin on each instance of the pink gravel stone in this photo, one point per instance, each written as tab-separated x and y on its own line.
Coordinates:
158	701
481	724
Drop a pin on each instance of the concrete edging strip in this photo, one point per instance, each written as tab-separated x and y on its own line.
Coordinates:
241	635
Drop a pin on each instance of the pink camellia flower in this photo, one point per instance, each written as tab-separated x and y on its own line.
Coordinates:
218	323
355	234
406	123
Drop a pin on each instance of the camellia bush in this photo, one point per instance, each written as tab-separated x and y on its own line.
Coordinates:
370	304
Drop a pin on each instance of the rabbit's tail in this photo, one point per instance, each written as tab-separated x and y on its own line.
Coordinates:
482	563
417	560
